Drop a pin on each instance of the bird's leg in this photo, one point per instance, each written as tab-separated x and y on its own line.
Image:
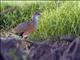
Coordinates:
25	38
17	45
24	41
25	44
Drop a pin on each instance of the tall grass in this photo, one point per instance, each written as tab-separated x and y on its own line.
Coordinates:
56	18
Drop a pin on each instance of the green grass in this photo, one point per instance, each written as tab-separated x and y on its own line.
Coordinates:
56	20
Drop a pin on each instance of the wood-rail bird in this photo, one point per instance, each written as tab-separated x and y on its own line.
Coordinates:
24	29
27	27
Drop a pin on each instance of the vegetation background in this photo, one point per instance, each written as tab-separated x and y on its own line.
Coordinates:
58	17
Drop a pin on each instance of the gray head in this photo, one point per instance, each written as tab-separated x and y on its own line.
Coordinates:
37	13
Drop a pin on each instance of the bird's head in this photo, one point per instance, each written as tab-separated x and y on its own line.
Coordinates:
37	13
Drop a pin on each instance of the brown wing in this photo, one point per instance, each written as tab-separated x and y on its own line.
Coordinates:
27	27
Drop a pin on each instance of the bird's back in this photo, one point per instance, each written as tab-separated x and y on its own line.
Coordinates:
25	27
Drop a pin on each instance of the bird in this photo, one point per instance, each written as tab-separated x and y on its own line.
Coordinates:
25	28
